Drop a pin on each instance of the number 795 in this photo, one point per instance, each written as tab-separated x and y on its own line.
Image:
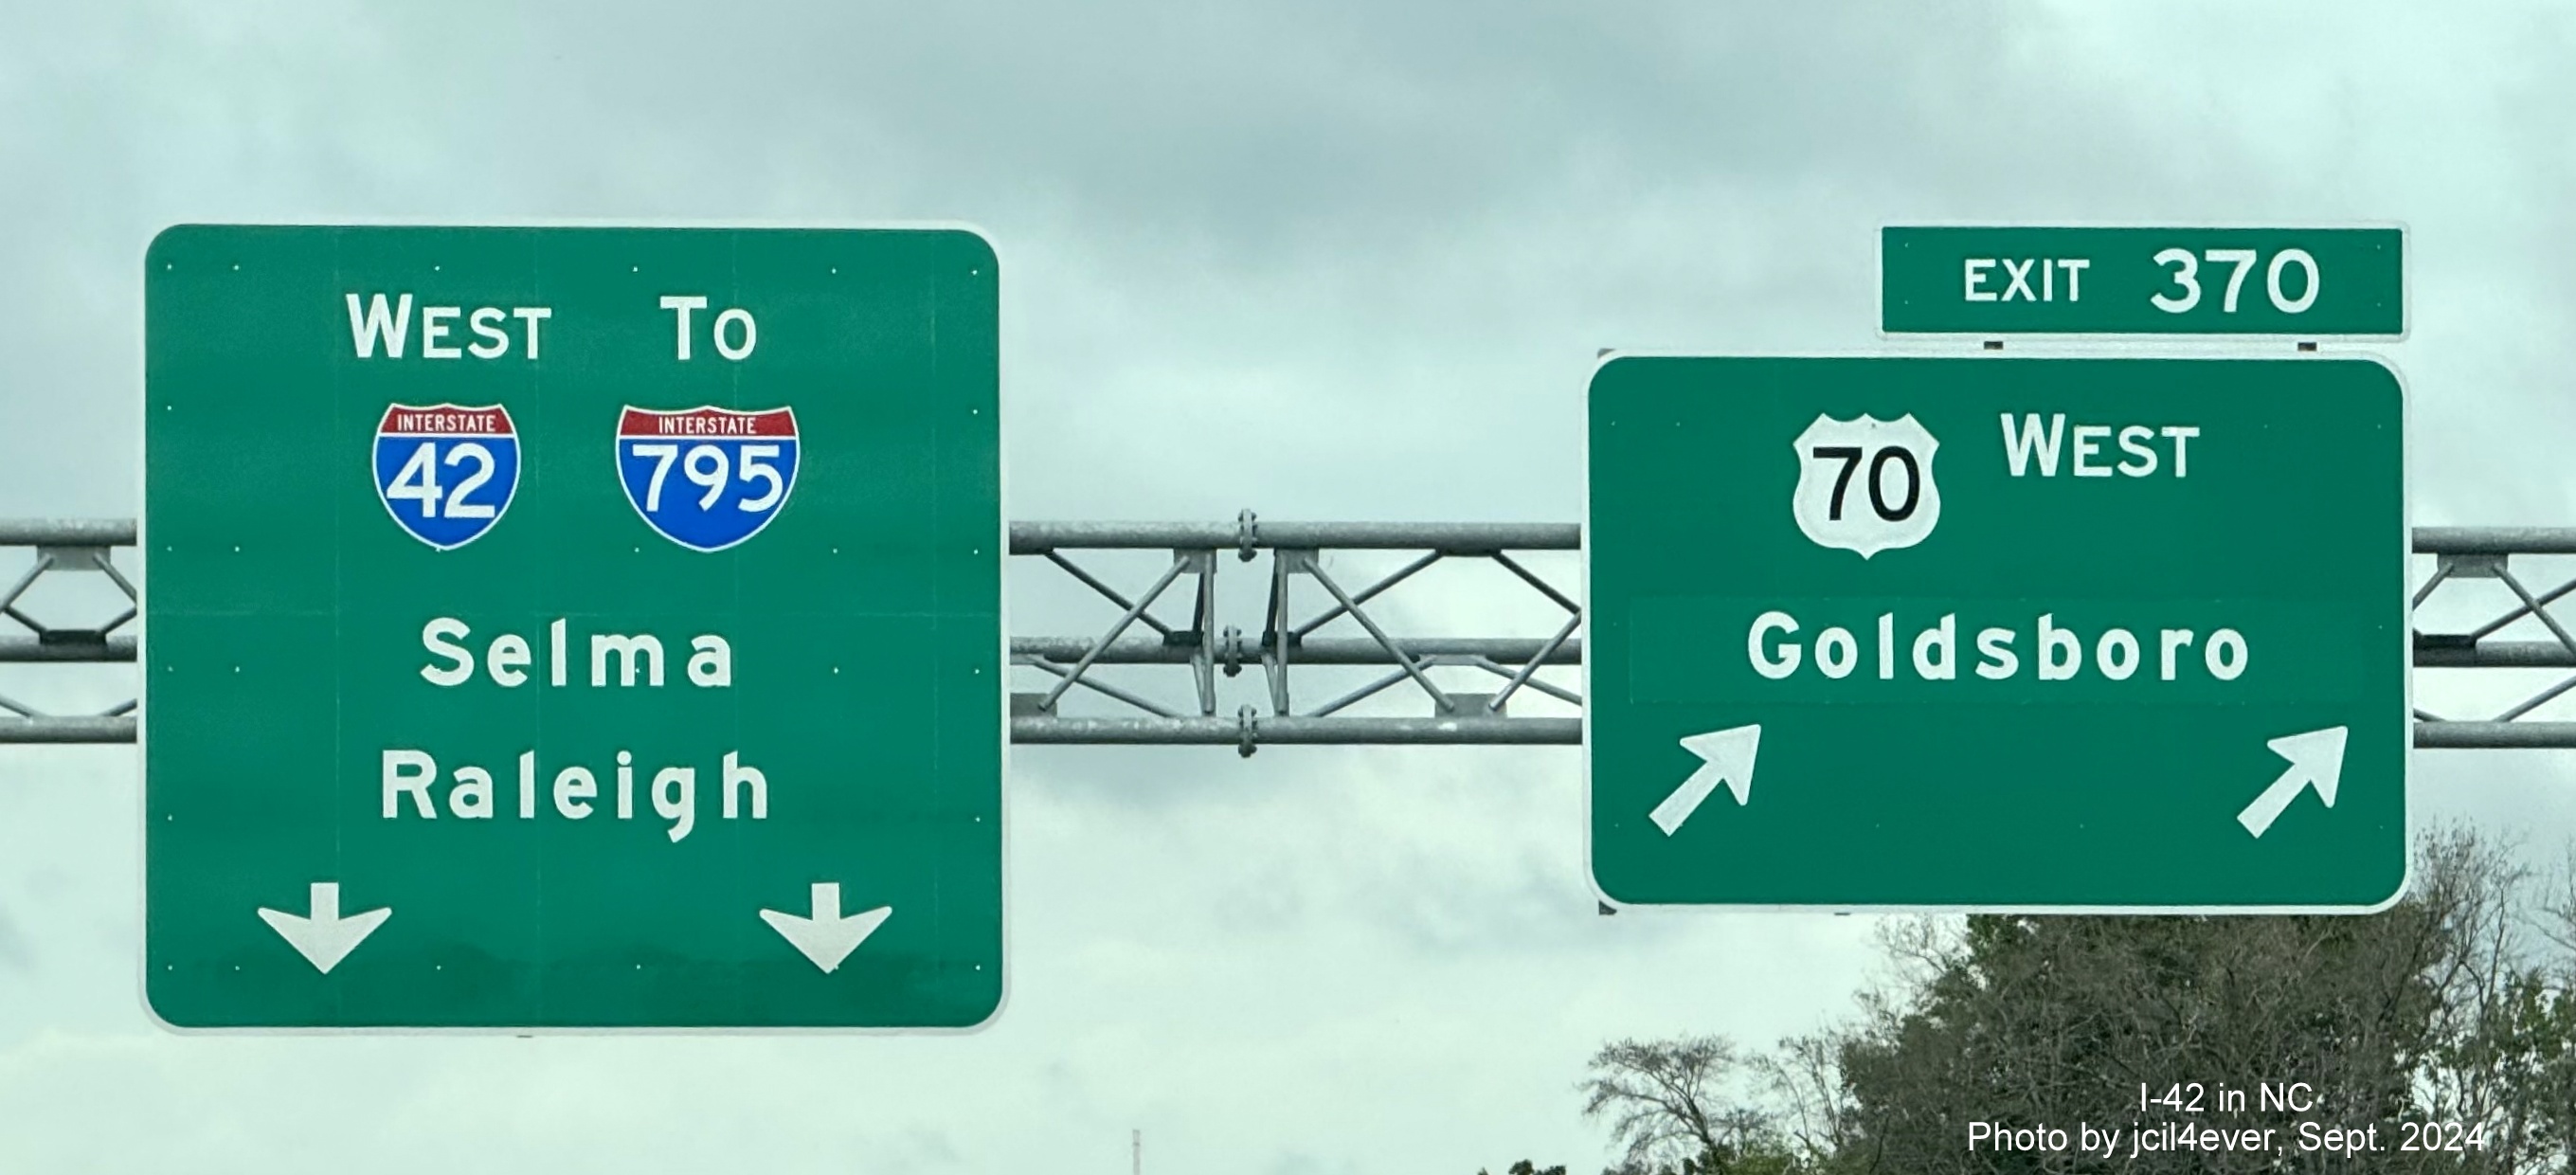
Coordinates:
707	467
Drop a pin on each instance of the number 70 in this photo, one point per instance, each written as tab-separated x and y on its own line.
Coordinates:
707	466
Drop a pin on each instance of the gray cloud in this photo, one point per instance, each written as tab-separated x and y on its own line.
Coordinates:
15	953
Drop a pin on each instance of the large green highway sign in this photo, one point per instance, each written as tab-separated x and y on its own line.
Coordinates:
572	627
2309	283
2018	634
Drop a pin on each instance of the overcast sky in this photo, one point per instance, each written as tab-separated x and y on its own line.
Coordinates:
1325	260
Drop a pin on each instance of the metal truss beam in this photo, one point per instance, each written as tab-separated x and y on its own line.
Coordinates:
1251	731
1287	648
66	532
64	547
1239	649
1247	534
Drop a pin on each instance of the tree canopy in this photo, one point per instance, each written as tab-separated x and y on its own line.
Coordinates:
2453	1006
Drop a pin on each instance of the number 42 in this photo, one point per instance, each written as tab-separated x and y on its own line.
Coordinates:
417	480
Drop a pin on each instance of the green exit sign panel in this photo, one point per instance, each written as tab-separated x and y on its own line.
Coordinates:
555	627
1989	633
2308	283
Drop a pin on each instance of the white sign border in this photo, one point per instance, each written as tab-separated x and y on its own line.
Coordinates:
1001	686
1924	347
2405	287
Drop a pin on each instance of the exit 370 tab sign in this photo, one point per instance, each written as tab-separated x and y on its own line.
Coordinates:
572	627
2311	283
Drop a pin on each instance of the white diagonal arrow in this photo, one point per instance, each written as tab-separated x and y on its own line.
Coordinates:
2315	758
827	937
324	938
1725	756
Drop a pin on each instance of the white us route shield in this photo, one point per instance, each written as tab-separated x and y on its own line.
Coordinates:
1866	485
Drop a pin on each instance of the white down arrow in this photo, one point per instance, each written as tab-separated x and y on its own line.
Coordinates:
827	937
325	937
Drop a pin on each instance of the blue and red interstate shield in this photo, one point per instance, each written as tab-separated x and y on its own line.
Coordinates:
446	473
707	478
